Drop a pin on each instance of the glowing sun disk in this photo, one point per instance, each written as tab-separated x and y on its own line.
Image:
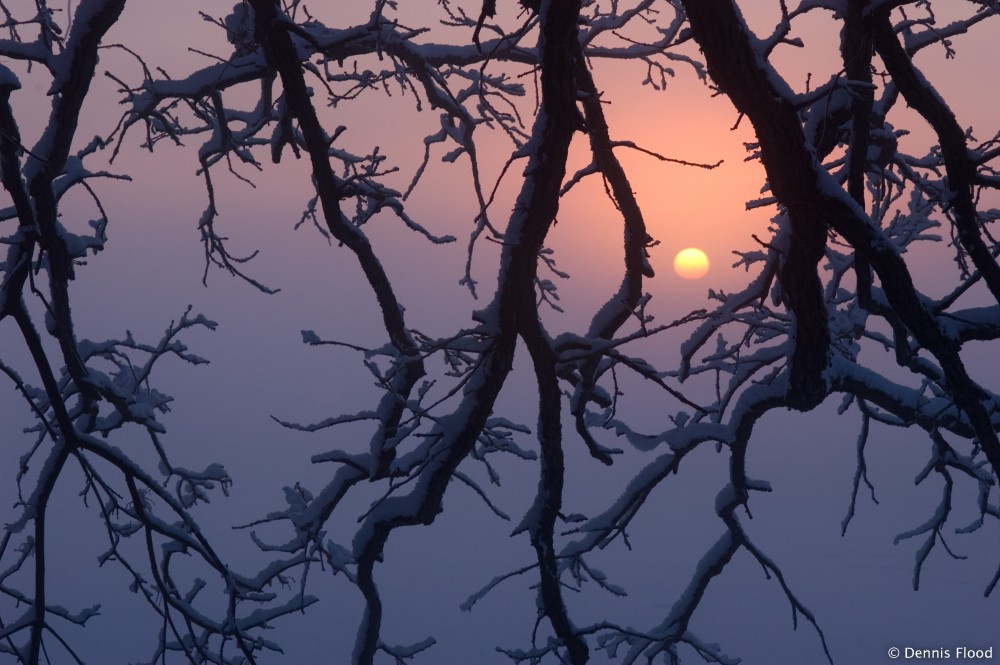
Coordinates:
691	263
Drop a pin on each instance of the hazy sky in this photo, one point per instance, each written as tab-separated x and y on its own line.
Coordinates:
858	586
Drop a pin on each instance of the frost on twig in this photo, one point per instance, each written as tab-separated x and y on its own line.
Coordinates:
829	308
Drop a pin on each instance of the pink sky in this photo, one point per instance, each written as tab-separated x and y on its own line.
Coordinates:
153	265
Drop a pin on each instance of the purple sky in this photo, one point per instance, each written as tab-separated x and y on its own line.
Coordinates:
858	586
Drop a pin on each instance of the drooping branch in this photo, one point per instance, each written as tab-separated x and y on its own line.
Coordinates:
959	165
738	70
559	119
784	346
282	54
18	264
803	187
622	305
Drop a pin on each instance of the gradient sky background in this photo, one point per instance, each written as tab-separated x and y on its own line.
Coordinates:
858	586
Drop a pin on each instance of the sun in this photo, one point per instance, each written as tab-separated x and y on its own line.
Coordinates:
691	263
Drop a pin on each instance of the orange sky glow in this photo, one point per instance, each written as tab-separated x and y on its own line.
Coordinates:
683	205
156	215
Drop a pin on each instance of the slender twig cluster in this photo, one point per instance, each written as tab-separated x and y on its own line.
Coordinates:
827	288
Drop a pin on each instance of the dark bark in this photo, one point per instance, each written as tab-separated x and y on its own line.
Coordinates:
622	305
791	172
37	209
19	255
83	44
856	50
796	181
283	56
959	166
515	313
560	63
